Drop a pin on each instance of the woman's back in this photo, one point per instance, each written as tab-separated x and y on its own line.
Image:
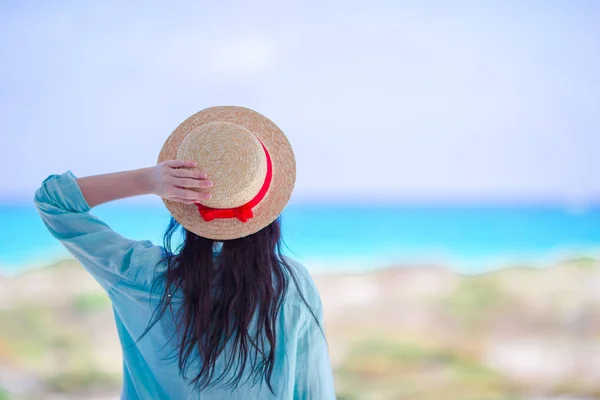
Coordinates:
128	270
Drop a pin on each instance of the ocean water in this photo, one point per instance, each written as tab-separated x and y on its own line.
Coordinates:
350	238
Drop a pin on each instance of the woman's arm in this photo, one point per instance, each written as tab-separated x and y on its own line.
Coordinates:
64	203
169	180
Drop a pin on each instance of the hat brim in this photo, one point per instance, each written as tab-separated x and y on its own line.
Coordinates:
280	190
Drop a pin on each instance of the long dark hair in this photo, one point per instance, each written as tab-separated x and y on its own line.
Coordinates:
224	292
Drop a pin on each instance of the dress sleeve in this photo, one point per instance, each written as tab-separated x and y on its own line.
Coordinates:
105	254
314	378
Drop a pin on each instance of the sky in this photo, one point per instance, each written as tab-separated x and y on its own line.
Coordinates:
381	100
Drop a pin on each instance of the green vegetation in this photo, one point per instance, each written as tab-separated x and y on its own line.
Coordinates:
474	299
383	368
33	335
584	263
4	395
24	331
87	379
85	303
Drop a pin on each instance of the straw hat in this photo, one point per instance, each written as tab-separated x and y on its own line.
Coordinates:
248	159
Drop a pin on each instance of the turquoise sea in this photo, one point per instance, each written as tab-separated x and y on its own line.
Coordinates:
468	239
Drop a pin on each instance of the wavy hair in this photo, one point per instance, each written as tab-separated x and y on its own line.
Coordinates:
225	294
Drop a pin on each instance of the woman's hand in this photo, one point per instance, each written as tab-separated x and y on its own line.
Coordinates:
172	180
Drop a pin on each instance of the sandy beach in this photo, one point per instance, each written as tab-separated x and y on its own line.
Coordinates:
404	332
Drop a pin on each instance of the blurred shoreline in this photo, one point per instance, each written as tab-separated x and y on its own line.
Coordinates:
357	264
417	331
466	239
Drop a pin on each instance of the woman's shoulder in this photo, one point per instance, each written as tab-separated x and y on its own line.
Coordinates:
301	284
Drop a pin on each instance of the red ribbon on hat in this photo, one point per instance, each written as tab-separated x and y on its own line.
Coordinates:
244	212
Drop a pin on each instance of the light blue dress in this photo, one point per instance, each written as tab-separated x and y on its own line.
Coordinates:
126	270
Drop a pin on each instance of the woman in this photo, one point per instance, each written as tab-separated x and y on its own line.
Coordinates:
223	315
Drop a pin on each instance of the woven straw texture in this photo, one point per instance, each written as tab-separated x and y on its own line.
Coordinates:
224	141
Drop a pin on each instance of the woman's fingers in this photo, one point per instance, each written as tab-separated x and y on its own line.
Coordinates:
192	183
181	180
186	194
186	173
